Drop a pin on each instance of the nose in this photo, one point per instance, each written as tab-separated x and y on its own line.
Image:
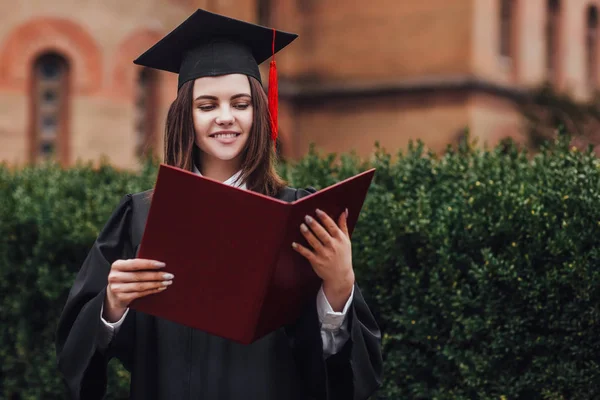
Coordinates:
225	116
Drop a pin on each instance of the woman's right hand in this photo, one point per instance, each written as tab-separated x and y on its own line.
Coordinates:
132	279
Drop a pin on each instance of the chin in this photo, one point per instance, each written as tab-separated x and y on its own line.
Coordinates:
223	154
226	157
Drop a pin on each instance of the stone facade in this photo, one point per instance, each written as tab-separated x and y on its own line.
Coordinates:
385	70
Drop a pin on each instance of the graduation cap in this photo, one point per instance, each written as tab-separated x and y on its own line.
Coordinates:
208	44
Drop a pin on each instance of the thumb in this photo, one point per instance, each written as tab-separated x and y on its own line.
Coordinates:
343	222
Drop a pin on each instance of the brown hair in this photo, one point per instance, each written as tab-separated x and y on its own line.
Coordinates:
258	156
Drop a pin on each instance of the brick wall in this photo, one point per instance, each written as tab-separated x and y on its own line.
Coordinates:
375	40
100	39
355	75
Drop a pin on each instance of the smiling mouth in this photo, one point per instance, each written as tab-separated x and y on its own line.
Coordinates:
229	135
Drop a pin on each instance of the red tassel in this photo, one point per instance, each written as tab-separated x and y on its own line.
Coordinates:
273	98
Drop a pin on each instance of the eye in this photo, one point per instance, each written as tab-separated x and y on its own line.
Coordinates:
242	106
206	107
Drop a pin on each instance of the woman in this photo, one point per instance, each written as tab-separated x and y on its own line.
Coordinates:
220	126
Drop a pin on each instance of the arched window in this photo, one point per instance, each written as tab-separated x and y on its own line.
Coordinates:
552	39
591	46
146	102
49	101
507	20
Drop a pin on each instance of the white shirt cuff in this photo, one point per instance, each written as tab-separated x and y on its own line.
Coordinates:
111	329
113	325
331	320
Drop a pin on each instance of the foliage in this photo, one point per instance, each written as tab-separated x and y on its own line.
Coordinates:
545	108
481	266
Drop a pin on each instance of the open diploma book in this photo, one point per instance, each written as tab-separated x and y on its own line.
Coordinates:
236	274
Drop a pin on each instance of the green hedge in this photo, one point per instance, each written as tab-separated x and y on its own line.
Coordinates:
482	267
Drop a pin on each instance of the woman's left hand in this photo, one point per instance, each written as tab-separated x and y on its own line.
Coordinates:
330	256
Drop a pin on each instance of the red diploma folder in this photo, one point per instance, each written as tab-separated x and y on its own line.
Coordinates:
236	274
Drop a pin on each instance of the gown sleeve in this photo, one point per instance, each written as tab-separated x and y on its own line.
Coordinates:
81	362
355	372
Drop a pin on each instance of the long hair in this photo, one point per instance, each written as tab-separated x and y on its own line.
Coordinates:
258	156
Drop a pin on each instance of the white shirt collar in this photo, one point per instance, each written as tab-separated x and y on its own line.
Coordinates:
231	181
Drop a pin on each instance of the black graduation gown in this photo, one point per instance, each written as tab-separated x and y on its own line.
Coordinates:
171	361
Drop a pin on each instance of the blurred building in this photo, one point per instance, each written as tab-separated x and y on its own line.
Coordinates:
360	72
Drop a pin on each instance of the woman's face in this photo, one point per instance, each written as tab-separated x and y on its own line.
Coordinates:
222	114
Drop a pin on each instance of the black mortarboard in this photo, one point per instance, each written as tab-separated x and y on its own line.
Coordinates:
208	44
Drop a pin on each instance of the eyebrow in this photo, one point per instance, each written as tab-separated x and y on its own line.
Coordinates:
206	97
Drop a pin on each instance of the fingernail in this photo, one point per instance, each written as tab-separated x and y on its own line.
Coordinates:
159	264
303	228
294	245
319	212
167	283
346	213
167	277
308	219
161	288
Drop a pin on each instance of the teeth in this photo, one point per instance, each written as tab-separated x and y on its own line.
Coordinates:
225	135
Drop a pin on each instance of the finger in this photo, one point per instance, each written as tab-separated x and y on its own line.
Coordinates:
310	238
129	297
343	223
329	224
137	264
139	276
137	286
318	230
306	253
